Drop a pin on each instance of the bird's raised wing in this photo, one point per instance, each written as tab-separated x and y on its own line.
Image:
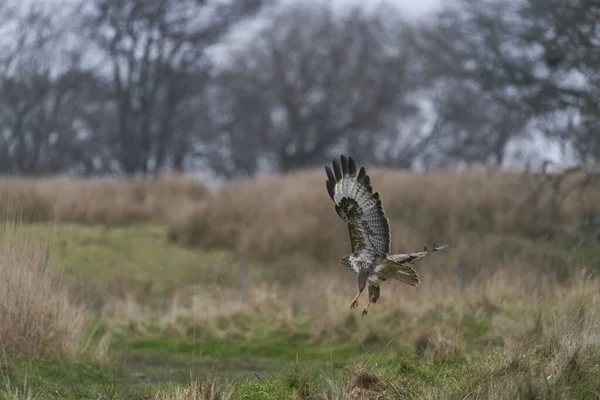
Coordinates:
411	258
359	207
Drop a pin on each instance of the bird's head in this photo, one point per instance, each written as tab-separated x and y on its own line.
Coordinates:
345	261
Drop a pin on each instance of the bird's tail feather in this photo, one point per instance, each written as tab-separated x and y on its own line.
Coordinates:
396	265
407	275
401	272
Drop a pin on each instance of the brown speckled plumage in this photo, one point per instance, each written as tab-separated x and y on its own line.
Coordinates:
369	228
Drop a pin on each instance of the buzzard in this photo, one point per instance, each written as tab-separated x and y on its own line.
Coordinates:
369	228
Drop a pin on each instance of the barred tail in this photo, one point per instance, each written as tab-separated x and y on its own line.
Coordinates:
406	274
391	268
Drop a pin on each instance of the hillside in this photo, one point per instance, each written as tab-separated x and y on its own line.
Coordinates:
492	218
145	278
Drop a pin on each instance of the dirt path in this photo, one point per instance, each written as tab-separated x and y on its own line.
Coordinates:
160	370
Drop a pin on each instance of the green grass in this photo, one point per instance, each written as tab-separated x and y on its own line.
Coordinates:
255	359
589	255
279	368
269	356
52	378
138	261
274	349
408	375
70	380
141	262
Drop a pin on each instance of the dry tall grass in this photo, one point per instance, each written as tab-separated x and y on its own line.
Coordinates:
508	302
97	201
512	333
540	328
196	390
37	316
490	216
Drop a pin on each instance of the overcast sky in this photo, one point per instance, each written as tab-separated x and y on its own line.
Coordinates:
412	9
418	7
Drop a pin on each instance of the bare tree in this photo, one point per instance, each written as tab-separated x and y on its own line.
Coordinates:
156	62
39	117
482	79
514	66
472	126
39	99
567	34
313	82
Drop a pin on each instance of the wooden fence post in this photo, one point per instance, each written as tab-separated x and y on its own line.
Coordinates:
243	282
458	275
44	260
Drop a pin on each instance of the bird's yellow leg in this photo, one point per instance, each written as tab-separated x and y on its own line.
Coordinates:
362	281
354	303
366	309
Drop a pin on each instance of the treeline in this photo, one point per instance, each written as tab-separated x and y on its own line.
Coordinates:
141	87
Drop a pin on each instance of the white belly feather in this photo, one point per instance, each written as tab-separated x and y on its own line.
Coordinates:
379	272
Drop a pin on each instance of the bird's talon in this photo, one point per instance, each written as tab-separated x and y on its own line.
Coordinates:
365	312
354	304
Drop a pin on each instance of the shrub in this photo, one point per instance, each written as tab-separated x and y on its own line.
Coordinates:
37	316
111	202
271	216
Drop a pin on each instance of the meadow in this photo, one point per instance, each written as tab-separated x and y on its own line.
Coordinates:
134	289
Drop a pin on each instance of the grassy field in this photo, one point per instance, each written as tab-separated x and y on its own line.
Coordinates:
131	289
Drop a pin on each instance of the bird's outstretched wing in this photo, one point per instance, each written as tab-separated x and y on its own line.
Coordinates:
359	207
411	258
397	265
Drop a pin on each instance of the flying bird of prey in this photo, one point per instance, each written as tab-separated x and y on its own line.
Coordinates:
369	228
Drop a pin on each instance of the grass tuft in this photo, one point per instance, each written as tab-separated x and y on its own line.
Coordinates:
300	380
365	378
110	202
522	323
196	390
38	317
489	216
